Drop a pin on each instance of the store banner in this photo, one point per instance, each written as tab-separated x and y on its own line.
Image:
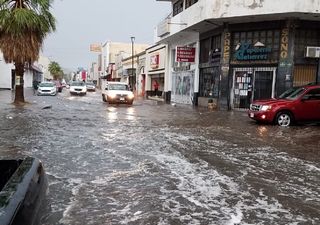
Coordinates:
95	48
185	54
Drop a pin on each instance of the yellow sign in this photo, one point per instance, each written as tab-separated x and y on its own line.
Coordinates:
95	48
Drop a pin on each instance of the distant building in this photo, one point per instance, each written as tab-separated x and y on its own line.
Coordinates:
112	53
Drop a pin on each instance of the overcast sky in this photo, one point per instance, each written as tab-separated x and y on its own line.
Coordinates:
83	22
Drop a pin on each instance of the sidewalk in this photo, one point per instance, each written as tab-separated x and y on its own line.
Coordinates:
7	96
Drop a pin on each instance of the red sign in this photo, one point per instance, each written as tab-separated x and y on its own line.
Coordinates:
185	54
84	75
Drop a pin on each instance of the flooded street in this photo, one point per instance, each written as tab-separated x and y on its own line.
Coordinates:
161	164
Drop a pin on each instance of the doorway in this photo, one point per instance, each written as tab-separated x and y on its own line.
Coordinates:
251	84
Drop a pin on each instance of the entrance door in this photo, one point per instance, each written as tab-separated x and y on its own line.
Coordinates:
263	84
242	89
251	84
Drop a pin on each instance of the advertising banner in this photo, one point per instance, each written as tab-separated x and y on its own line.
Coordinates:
185	54
95	48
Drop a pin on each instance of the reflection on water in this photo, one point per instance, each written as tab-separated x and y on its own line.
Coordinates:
262	131
112	114
131	114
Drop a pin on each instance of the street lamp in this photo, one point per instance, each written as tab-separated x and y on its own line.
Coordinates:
132	45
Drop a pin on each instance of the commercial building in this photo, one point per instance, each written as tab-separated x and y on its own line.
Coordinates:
245	50
112	54
34	72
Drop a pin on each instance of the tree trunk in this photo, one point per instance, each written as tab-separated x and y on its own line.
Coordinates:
19	95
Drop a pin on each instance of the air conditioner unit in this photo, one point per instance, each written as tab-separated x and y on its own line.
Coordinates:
312	52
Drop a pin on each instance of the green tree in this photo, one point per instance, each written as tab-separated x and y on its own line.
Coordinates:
24	25
55	70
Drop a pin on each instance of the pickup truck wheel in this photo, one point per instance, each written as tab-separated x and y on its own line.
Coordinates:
284	119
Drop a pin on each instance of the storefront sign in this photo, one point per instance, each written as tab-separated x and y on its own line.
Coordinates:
185	54
154	61
226	47
248	52
95	48
284	43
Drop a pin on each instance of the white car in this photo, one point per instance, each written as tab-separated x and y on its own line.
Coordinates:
90	86
78	88
47	88
117	92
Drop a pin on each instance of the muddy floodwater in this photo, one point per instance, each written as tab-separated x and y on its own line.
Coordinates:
162	164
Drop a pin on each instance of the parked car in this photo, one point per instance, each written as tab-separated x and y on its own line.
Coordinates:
58	85
90	86
117	92
78	88
47	88
294	105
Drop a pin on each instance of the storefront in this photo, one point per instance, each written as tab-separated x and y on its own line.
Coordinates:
154	82
257	63
253	64
210	68
184	73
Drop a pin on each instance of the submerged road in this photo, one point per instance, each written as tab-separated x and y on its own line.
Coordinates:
163	164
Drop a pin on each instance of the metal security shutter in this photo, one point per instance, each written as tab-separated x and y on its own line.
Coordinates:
304	74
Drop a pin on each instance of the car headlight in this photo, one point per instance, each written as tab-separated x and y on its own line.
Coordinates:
131	95
265	107
112	95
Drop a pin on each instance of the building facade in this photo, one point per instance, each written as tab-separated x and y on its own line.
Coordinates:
155	71
112	54
7	74
248	49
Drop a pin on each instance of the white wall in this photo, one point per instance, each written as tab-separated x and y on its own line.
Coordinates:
5	74
221	10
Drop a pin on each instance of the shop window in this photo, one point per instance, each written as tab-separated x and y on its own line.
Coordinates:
208	47
204	50
177	7
209	82
216	42
190	3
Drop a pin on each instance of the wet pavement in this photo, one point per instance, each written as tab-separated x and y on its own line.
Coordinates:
162	164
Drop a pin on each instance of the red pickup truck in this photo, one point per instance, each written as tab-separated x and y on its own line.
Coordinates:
294	105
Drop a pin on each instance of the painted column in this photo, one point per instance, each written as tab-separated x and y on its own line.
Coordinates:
225	80
284	79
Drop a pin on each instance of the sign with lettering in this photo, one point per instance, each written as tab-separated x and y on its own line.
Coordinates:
248	52
226	47
185	54
284	43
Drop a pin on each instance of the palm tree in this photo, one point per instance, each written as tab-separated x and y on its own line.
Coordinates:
23	26
55	70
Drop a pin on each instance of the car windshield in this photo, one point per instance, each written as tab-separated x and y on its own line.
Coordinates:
121	87
46	85
77	84
89	83
292	93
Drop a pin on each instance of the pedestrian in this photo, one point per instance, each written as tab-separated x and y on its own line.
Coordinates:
156	87
35	84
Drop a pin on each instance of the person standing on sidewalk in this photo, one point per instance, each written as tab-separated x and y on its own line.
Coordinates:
156	87
35	84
